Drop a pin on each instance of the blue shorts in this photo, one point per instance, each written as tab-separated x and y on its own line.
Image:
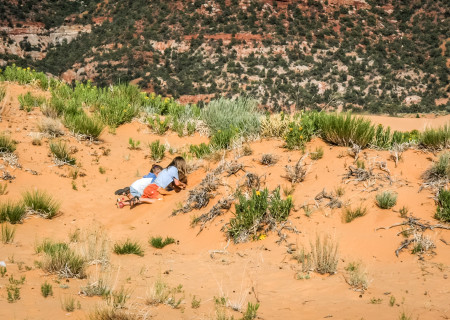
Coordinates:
134	192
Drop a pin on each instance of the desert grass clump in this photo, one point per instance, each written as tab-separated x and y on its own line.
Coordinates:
356	276
46	289
157	150
42	203
345	129
223	139
84	126
27	101
99	288
316	154
51	127
324	253
351	214
159	243
162	293
386	199
60	259
241	113
443	209
439	170
60	152
111	313
7	145
435	139
258	214
8	233
275	125
200	151
128	247
14	212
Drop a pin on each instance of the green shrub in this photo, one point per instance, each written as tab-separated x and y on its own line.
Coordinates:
27	76
28	101
258	213
133	144
435	139
157	242
351	214
159	125
157	150
6	143
61	153
200	151
386	199
46	289
440	170
345	129
41	203
222	138
128	247
8	233
443	209
82	124
12	212
59	258
241	113
251	311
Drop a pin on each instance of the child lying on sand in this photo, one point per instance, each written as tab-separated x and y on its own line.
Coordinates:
135	191
168	177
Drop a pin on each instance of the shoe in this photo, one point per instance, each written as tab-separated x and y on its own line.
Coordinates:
134	201
120	205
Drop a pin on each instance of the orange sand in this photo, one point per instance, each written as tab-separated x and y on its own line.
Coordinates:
256	271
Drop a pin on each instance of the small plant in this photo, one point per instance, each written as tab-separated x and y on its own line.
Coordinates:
386	199
222	139
404	316
3	271
440	170
324	255
97	288
61	153
46	289
360	164
351	214
74	185
268	159
36	141
376	301
443	209
163	293
317	154
118	298
8	233
128	247
190	127
68	304
159	125
308	211
7	145
12	212
392	301
247	150
101	170
195	304
42	203
251	311
157	242
297	136
403	212
13	292
340	191
288	190
27	102
133	144
357	278
85	127
200	151
157	150
51	127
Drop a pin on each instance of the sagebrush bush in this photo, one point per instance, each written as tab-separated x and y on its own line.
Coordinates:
345	129
159	243
241	113
128	247
14	212
82	124
6	143
435	138
386	199
443	209
157	150
41	203
60	151
439	170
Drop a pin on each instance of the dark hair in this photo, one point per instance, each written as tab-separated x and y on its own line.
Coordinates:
155	167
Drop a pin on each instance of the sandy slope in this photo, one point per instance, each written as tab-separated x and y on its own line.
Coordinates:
256	271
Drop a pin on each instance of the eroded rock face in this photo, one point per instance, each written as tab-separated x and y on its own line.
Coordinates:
32	39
